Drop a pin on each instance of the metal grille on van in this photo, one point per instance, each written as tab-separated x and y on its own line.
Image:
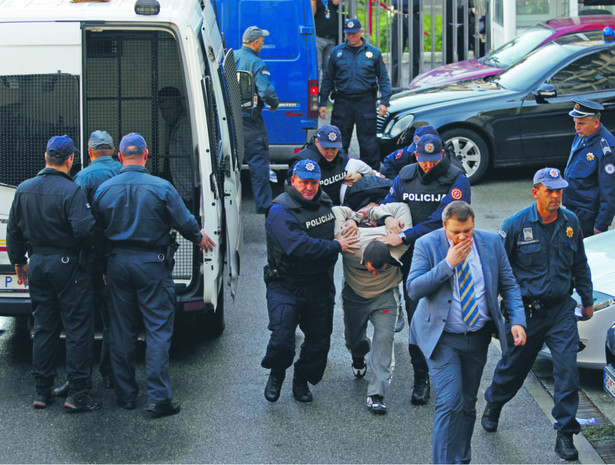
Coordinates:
135	83
33	108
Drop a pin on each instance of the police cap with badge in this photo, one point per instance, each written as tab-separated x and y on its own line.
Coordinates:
307	169
429	148
329	137
551	178
352	26
584	108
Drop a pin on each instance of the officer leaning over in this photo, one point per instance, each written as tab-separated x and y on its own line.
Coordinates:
544	245
427	187
332	160
395	161
354	74
136	212
51	221
255	132
301	256
590	171
102	167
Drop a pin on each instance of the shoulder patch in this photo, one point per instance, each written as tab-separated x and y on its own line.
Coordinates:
610	168
606	149
265	72
391	190
502	233
456	193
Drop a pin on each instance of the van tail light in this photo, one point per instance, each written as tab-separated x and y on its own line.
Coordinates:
313	99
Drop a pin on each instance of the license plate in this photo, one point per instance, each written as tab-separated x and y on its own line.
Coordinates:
9	282
609	380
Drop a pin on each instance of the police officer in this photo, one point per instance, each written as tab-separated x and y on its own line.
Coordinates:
102	167
327	151
136	212
255	131
590	171
399	30
326	22
427	187
395	161
354	74
544	245
301	256
51	220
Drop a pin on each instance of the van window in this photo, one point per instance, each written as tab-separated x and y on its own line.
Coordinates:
135	83
34	108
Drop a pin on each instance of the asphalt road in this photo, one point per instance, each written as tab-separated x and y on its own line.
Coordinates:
225	418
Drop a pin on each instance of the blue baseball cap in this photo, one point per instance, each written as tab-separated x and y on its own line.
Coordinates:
550	177
329	137
62	146
132	140
429	148
352	25
423	130
307	169
100	140
584	108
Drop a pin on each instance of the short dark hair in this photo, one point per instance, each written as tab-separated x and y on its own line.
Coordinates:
459	210
377	253
55	158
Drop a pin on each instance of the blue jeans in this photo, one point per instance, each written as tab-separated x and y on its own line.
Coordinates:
456	366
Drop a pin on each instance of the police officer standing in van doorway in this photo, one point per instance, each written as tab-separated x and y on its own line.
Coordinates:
590	171
427	187
255	132
354	75
136	212
102	167
301	256
544	245
51	221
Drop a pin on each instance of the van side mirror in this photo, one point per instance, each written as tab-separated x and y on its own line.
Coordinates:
544	92
247	89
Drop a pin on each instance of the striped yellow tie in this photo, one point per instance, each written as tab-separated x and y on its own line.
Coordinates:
469	307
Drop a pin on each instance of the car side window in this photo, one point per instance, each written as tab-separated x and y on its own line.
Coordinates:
588	73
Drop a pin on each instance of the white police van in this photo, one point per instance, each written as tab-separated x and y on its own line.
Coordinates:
74	66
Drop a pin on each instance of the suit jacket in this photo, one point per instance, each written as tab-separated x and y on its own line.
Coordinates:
431	281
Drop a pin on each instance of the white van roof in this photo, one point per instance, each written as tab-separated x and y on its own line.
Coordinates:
67	10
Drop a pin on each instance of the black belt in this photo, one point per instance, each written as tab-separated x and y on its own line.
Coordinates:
371	94
55	251
136	247
538	304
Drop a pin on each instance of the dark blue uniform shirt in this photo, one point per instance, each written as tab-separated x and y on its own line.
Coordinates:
543	264
137	207
590	173
97	172
246	59
49	210
395	161
355	71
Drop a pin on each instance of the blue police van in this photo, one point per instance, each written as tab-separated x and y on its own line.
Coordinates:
290	55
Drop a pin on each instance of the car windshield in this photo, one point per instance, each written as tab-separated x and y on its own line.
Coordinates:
511	52
527	72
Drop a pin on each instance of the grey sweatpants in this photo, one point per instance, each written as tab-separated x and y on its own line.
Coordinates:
382	312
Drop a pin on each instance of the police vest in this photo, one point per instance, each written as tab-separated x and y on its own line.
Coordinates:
424	199
318	224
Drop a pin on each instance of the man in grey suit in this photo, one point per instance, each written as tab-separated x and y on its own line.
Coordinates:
457	273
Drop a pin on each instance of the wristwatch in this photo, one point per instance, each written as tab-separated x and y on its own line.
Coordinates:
402	236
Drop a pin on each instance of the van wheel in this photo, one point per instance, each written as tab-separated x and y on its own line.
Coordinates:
470	149
210	325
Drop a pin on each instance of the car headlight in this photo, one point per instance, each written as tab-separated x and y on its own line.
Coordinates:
396	127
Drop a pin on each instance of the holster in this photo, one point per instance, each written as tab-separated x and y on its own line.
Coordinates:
172	247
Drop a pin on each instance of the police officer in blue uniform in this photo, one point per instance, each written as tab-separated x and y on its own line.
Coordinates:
327	151
427	187
136	212
102	167
395	161
255	132
544	244
590	171
301	256
51	221
354	75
